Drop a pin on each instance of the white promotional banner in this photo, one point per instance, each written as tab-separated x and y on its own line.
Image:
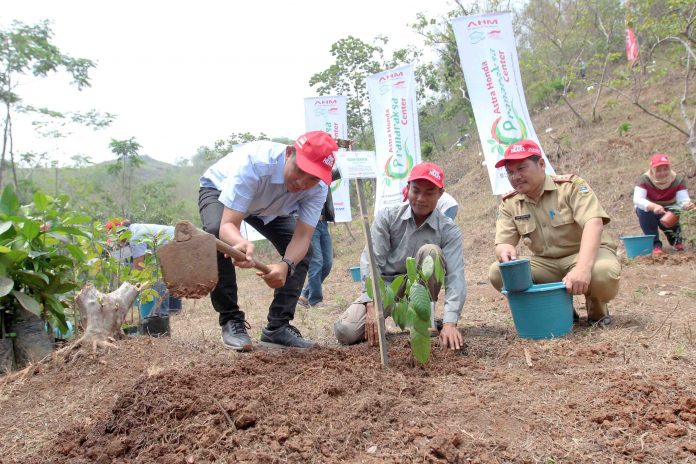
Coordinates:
395	122
249	233
488	55
329	114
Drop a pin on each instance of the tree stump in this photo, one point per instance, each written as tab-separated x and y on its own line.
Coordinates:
103	314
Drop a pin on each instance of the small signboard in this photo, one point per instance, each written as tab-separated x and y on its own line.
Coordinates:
357	164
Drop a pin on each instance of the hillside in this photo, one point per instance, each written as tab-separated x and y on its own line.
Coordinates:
620	394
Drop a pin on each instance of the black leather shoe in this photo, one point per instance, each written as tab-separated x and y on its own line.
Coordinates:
287	336
235	336
603	322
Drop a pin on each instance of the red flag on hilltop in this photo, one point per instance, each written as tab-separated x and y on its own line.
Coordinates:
631	45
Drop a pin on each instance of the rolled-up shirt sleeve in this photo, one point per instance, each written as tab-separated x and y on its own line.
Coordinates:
640	198
455	281
310	207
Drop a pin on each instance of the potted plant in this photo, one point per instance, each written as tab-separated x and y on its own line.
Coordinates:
153	320
38	262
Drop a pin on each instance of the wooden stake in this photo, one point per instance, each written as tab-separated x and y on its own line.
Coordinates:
379	309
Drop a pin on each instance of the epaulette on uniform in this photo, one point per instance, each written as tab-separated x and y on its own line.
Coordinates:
562	179
510	194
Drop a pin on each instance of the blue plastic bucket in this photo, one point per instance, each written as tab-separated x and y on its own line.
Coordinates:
542	311
517	275
638	245
146	308
60	335
355	273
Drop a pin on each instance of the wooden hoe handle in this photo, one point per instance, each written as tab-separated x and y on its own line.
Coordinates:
226	248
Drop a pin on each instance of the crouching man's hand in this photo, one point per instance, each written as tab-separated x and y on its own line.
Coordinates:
505	252
450	336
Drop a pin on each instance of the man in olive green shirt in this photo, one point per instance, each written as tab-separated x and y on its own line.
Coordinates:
560	220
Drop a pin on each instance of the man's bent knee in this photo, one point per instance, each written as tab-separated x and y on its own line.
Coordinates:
606	274
350	327
494	276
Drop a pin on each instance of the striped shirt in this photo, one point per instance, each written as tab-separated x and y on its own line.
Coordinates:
646	192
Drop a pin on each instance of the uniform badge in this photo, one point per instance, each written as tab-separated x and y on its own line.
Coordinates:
584	189
523	216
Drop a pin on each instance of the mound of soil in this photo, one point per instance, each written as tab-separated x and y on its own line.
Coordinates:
336	405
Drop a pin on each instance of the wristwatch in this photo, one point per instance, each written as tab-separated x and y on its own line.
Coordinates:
291	266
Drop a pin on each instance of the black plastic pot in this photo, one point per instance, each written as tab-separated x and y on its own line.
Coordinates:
155	326
7	361
31	342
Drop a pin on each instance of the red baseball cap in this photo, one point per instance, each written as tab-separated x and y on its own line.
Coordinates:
520	150
315	154
659	159
430	172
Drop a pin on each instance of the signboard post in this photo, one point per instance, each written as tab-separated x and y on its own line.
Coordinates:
360	165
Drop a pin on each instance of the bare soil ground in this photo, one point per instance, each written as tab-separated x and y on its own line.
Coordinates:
626	393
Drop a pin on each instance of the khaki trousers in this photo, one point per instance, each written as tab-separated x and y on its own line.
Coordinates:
350	326
604	285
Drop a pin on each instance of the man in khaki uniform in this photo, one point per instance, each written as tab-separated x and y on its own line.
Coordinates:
560	220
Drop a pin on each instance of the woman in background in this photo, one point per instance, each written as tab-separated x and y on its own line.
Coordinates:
658	191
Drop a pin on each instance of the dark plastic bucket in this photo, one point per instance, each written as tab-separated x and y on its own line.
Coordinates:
517	275
542	311
638	245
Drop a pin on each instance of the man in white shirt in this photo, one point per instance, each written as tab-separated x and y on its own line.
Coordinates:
266	184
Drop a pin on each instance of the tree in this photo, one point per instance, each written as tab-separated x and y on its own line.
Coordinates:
442	95
222	147
154	203
127	161
355	61
27	49
667	34
81	161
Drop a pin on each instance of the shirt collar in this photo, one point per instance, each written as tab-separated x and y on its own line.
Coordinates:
407	214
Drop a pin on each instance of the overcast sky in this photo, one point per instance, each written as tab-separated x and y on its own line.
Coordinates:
180	75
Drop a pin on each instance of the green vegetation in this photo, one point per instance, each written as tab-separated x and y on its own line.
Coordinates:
48	250
411	308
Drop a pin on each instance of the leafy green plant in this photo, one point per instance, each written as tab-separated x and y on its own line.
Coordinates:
408	300
40	256
623	128
48	250
611	103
